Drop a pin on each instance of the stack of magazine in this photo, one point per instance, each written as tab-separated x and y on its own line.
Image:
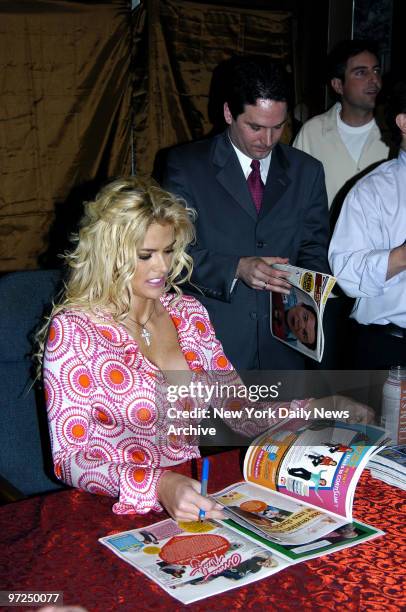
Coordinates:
390	466
295	504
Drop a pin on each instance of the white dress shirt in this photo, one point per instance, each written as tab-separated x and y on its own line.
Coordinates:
372	223
245	163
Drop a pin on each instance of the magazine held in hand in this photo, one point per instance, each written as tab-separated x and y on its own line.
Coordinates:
297	318
295	504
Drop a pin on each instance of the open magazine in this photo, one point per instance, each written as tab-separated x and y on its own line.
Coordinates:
276	517
300	479
297	318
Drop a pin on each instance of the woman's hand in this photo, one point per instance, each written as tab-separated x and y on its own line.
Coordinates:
357	412
181	498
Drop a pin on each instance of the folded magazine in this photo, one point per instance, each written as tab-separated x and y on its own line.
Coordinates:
389	465
294	504
297	319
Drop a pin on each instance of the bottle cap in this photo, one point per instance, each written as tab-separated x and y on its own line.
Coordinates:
398	372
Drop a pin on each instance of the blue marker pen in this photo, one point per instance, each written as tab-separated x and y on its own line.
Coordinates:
205	478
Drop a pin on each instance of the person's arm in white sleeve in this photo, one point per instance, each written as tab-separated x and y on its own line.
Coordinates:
397	261
357	253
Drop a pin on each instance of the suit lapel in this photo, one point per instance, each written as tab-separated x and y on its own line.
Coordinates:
277	181
230	174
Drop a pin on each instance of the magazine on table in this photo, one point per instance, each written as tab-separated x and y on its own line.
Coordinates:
295	504
300	480
297	318
389	465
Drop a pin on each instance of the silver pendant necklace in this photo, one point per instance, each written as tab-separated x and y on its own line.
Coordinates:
145	333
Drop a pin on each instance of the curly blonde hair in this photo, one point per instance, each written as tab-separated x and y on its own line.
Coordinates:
111	232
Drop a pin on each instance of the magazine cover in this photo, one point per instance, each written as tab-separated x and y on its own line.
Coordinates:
194	560
297	318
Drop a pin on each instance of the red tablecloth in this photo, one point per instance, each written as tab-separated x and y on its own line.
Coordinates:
50	543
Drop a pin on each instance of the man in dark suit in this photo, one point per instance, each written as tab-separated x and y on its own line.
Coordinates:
251	215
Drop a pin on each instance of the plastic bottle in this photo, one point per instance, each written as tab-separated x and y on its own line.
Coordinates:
393	415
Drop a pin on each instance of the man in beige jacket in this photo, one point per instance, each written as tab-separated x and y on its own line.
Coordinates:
346	139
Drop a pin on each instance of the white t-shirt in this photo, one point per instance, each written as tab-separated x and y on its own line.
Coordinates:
354	138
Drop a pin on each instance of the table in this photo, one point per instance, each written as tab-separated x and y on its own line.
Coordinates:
50	543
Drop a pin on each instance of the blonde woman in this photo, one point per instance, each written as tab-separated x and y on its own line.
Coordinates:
123	322
121	334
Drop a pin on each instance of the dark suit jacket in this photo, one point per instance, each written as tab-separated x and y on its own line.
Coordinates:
293	223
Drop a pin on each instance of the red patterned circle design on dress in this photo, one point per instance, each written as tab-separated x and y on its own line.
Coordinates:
181	550
234	403
116	376
110	335
201	325
76	381
58	340
100	450
190	356
72	428
128	486
142	412
84	335
175	449
107	416
139	474
136	478
130	356
222	362
97	483
139	450
196	359
52	393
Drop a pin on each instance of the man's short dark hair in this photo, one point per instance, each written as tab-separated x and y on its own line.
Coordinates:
395	105
343	51
254	77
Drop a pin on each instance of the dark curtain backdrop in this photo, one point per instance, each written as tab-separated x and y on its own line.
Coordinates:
65	112
177	46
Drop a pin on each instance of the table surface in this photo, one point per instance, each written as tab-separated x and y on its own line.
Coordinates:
50	543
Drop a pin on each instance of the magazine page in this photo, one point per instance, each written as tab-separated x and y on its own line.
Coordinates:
317	284
297	318
275	517
349	534
318	463
392	456
389	475
389	465
194	560
296	321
